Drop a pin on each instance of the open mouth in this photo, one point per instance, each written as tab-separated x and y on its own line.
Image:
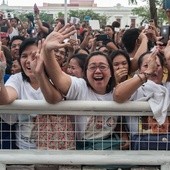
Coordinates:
98	78
28	68
154	75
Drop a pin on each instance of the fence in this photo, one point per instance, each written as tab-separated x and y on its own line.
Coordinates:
83	157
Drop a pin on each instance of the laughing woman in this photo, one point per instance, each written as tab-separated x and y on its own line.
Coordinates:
97	85
25	86
147	85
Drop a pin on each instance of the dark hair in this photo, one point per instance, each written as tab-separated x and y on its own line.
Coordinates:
110	27
41	34
15	19
23	46
115	53
30	17
61	21
115	24
112	30
45	24
112	81
108	50
140	60
129	39
17	37
85	49
81	59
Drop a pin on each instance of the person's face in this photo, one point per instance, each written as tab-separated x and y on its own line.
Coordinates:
120	62
15	48
13	22
104	50
4	41
98	73
57	21
74	69
16	68
90	43
156	128
158	74
27	58
60	55
109	31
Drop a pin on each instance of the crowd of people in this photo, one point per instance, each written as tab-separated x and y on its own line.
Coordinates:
74	62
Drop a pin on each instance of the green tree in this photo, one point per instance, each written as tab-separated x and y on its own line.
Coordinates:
60	15
143	12
94	16
152	11
43	16
47	17
23	17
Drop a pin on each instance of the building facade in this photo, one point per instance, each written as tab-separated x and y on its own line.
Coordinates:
116	13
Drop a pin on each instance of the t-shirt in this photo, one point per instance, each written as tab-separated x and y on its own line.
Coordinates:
26	92
14	32
86	126
143	124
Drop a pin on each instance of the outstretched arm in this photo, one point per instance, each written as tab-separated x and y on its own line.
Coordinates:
142	48
124	90
54	40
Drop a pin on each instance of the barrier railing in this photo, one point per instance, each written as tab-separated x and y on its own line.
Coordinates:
82	157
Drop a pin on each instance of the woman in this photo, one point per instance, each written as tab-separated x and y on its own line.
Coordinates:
76	65
146	85
97	85
16	68
121	65
109	30
25	85
110	43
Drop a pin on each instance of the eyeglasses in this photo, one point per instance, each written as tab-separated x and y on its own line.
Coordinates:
102	67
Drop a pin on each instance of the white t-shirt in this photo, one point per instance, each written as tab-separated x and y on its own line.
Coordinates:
134	122
14	32
26	92
85	126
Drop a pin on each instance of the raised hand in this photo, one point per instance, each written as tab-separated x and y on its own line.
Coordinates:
36	10
55	39
152	63
120	75
37	66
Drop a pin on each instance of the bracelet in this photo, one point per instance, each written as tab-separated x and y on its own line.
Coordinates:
142	81
146	76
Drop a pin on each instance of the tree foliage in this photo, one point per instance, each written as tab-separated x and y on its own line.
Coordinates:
47	17
44	17
153	10
94	16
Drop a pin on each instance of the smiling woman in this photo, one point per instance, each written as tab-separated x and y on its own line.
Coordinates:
97	85
145	130
24	85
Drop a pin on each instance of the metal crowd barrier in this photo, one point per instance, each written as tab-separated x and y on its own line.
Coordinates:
82	157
